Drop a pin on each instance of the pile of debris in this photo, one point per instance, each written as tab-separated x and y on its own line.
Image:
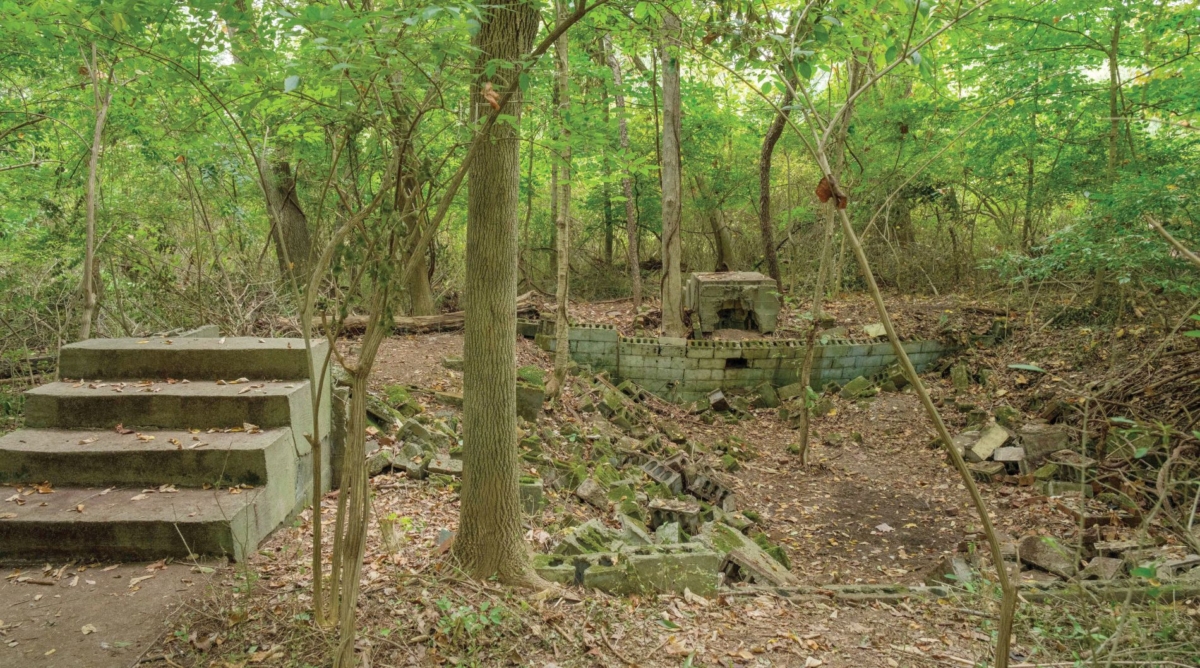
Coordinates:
1046	560
676	523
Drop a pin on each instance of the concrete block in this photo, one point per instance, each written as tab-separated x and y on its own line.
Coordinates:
193	358
700	349
188	521
992	438
201	405
1048	554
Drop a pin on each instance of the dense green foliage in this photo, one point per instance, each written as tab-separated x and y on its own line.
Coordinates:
992	153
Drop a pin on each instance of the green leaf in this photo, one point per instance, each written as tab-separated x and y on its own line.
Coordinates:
1195	333
1143	572
1140	452
1027	367
805	69
1121	420
668	623
290	83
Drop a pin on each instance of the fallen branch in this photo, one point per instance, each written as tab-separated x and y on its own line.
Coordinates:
429	323
1183	250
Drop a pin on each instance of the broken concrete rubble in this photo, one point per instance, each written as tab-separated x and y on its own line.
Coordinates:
1048	554
1102	568
593	493
756	567
667	477
686	513
992	438
987	471
591	536
858	388
953	570
443	464
1040	440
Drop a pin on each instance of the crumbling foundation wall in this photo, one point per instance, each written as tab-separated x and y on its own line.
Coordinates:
686	370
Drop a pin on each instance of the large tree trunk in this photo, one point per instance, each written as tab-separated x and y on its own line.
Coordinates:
289	225
724	242
631	223
489	540
765	225
722	237
672	281
1114	130
562	327
89	289
420	292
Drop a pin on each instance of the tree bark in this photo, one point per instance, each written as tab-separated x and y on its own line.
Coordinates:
1114	132
562	326
672	281
631	224
90	269
765	224
489	540
722	237
289	225
724	242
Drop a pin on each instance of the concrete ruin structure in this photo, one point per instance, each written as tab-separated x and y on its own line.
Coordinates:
731	300
163	447
688	369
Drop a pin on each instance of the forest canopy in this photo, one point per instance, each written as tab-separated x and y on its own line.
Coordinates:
1026	142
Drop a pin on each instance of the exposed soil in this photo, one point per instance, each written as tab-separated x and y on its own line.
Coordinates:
95	615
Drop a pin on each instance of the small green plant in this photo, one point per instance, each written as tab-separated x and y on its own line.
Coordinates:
464	622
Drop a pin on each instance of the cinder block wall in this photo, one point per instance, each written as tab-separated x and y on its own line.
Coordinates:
685	370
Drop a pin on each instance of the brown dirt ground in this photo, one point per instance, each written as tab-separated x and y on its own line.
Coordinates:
92	615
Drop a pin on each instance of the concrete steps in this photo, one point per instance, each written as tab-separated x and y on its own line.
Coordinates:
217	426
112	525
188	358
80	457
202	404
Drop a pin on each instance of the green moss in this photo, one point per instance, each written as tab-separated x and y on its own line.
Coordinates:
533	375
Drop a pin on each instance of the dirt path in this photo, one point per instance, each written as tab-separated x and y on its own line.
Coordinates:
95	616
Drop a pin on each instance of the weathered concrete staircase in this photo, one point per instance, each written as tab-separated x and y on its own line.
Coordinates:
167	448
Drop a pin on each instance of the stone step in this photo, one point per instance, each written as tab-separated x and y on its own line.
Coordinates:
150	458
158	358
108	524
200	405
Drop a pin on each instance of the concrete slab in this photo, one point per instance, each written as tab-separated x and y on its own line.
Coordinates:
104	457
128	523
203	358
202	405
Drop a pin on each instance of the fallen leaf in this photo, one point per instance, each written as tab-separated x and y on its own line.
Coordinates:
88	629
142	578
140	497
